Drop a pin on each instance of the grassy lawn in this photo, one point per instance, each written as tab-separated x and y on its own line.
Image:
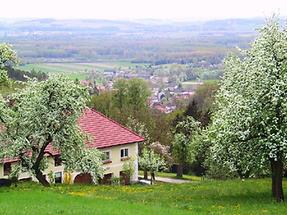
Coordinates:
200	197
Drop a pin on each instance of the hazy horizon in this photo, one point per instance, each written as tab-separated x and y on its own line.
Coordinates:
152	20
180	10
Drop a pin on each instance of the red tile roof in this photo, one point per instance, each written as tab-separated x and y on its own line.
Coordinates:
106	132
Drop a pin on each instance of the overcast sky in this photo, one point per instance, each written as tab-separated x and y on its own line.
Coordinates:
142	9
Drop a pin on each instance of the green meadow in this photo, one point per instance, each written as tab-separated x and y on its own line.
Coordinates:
252	196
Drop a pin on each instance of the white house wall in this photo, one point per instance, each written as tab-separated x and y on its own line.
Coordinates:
115	167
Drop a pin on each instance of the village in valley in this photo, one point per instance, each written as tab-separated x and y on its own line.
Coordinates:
167	93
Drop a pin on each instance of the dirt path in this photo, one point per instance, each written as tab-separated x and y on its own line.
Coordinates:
168	180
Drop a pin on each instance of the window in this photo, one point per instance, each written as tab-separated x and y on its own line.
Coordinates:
58	177
7	168
24	165
106	156
58	160
124	153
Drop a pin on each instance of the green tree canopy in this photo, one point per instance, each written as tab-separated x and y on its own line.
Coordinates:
201	104
131	94
128	99
182	143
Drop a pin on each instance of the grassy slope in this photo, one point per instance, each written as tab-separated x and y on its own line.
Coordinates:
201	197
6	90
47	202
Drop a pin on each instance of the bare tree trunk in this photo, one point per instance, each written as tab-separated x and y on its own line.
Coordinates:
179	170
145	174
41	178
152	176
277	175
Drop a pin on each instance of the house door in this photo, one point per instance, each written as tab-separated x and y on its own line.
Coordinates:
83	178
106	179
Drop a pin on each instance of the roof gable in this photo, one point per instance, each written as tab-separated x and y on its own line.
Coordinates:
106	132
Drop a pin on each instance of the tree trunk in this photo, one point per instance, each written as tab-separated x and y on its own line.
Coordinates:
179	170
41	178
145	174
36	166
152	178
277	175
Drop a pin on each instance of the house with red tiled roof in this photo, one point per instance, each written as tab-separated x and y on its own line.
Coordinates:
118	144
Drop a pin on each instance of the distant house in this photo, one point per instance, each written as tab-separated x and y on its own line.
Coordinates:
184	95
158	106
117	143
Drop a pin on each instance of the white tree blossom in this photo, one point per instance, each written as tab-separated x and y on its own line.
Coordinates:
151	161
250	125
46	113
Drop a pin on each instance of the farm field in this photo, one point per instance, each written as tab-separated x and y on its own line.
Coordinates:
199	197
190	84
80	70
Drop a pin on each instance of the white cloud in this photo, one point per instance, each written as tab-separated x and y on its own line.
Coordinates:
141	9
